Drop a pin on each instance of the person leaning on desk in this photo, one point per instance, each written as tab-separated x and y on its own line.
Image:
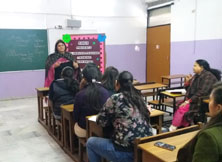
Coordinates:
127	112
206	146
56	61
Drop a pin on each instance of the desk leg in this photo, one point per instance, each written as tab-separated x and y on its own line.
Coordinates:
154	93
181	82
169	83
71	134
64	125
39	116
160	124
41	109
161	100
174	105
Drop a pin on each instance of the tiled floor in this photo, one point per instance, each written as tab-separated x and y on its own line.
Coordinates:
22	138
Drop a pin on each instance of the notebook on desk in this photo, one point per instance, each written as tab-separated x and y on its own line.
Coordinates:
177	91
93	118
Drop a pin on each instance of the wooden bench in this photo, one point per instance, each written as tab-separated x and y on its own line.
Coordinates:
42	114
137	142
92	129
55	128
68	131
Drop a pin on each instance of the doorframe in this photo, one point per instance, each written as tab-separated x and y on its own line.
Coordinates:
147	43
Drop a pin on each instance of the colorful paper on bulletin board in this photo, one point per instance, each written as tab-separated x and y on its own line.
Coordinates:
88	48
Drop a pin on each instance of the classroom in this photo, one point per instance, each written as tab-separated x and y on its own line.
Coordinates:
159	42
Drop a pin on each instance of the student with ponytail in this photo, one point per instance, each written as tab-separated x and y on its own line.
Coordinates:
127	112
109	79
197	86
63	91
206	146
90	98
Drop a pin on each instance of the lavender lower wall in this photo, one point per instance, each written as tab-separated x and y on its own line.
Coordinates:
184	54
20	84
125	57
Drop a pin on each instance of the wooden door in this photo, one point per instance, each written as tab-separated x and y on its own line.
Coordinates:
158	52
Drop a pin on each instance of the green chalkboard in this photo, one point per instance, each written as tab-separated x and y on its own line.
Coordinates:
23	49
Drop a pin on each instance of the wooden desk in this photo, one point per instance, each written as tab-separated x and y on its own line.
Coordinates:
135	81
150	86
155	154
41	93
68	129
173	96
171	77
154	87
156	119
206	101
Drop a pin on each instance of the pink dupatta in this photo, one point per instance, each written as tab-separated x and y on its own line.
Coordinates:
51	72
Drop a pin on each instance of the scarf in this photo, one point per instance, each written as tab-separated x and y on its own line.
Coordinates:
51	59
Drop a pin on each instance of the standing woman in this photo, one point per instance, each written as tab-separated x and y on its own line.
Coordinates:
206	146
197	86
56	59
127	112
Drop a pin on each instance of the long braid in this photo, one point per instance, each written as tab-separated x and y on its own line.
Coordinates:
133	96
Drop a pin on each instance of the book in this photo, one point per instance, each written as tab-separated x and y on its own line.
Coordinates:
177	91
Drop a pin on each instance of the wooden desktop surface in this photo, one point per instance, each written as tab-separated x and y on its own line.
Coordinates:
206	101
153	113
150	86
149	151
171	94
43	89
68	108
174	76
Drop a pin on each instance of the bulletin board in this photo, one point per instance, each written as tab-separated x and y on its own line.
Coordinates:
87	48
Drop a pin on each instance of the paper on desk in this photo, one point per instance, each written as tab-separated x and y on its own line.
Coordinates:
93	118
182	91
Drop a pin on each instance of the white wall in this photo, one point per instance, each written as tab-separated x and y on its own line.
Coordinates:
109	8
195	34
196	20
123	22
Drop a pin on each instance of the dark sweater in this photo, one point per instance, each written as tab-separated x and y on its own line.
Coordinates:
59	94
83	109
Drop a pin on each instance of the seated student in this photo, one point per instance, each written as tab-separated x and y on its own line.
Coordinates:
198	85
63	91
90	99
128	114
109	79
206	146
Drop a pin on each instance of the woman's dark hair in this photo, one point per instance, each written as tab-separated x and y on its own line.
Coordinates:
109	77
92	75
206	66
72	84
59	41
133	95
185	154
